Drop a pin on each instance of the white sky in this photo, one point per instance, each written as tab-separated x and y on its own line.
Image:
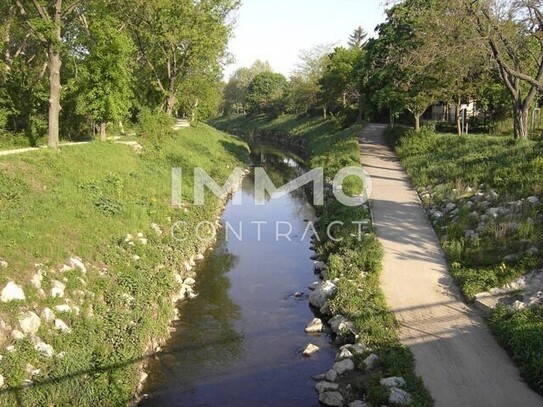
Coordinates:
277	30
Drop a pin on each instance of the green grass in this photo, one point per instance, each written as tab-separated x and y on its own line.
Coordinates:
450	164
358	263
83	201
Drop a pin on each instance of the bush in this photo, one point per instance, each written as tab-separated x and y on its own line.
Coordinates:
155	125
520	333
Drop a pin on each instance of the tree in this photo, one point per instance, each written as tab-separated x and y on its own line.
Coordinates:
513	31
358	38
45	19
405	72
235	92
340	80
267	94
177	37
105	81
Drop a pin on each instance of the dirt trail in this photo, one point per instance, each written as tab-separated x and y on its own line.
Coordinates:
456	355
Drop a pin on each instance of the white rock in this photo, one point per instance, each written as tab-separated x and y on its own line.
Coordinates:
12	292
189	281
358	403
128	238
17	335
314	326
332	375
143	241
77	263
156	228
60	325
493	212
45	349
29	322
399	397
3	264
370	361
1	381
37	279
58	289
199	257
326	386
48	315
492	195
310	350
63	308
343	366
534	200
136	257
332	399
322	293
344	354
393	382
140	235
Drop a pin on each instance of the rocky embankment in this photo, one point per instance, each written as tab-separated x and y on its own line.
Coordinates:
354	361
497	230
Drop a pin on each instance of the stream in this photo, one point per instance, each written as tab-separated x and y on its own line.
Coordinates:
240	342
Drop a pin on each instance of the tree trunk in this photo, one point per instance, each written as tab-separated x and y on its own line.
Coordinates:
360	109
54	78
391	117
417	121
521	120
170	104
324	112
458	117
103	136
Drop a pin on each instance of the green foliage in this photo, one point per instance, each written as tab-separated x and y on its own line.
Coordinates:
340	82
155	126
105	78
520	333
266	94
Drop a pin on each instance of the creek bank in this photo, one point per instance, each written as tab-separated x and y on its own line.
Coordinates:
108	287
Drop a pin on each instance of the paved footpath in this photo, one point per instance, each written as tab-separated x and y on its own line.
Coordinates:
456	355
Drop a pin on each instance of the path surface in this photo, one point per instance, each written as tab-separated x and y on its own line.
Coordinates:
116	139
456	355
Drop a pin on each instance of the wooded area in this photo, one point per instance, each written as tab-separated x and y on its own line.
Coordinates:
426	52
70	67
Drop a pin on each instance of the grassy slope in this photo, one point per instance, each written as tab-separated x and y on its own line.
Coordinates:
83	201
358	264
515	170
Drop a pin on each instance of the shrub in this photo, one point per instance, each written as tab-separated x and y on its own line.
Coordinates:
155	125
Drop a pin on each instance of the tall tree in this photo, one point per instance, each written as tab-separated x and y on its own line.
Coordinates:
358	38
45	20
339	82
267	94
104	85
178	37
514	34
235	92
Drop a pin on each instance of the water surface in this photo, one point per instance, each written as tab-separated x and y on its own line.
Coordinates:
239	342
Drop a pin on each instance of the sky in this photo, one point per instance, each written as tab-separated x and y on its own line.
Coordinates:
277	30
